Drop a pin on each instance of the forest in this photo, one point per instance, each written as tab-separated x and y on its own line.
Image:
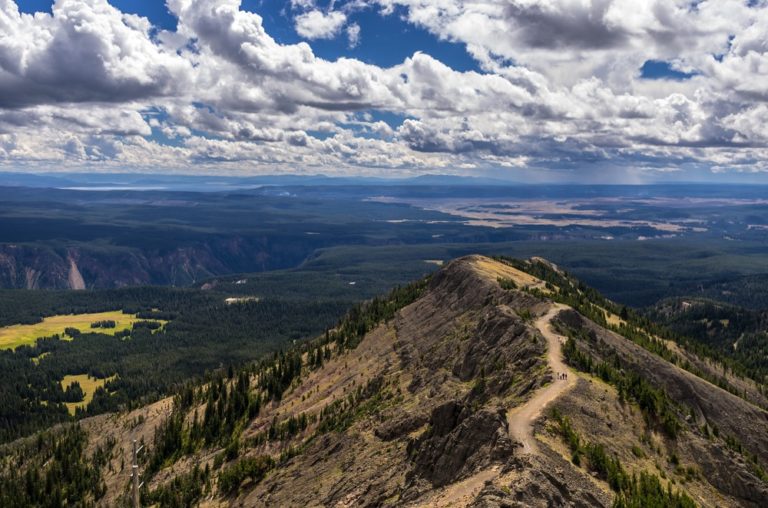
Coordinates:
229	399
730	331
203	333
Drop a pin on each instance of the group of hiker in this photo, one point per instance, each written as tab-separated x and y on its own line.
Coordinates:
562	375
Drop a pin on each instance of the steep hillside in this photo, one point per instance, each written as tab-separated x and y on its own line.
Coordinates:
730	331
479	387
98	266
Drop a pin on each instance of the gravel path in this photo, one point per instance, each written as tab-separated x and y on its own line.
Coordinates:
521	418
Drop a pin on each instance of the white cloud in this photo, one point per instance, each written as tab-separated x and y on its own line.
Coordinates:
316	24
86	51
560	87
353	35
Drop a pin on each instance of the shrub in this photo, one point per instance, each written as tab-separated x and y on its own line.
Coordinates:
250	468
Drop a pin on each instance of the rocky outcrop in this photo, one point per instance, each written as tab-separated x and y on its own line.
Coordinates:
459	441
400	426
75	278
542	482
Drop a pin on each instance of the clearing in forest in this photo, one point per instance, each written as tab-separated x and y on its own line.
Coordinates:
88	384
14	336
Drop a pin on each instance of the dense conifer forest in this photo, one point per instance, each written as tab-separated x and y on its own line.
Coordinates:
203	333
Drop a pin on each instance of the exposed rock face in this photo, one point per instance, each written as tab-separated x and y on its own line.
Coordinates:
459	441
75	277
80	267
544	481
32	268
400	426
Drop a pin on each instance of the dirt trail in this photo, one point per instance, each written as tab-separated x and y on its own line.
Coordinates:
521	418
461	493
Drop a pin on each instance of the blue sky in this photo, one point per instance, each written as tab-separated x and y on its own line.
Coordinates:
155	11
379	46
608	90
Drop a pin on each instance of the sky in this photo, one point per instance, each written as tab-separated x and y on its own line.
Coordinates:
601	91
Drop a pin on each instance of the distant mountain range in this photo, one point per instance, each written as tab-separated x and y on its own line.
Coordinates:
212	183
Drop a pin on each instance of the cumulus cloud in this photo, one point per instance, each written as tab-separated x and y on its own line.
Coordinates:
576	39
316	24
85	51
560	86
552	26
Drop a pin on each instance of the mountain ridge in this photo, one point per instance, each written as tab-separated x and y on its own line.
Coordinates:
411	401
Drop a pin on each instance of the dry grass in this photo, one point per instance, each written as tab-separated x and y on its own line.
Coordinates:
501	213
496	270
14	336
596	413
139	424
88	384
36	359
613	319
